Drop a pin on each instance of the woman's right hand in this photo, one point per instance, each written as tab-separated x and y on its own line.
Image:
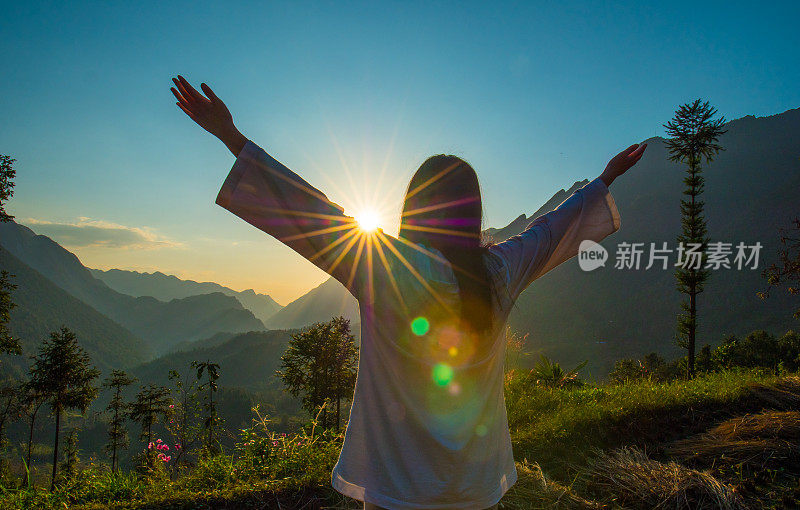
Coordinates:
210	113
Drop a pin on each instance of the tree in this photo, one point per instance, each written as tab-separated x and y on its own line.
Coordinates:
320	364
787	270
32	401
209	424
184	427
117	434
151	402
9	408
7	174
8	343
693	139
70	465
62	372
550	374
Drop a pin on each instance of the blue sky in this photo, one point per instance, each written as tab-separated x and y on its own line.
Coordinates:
536	95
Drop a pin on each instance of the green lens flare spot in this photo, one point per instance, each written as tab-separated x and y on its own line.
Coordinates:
481	430
420	326
442	374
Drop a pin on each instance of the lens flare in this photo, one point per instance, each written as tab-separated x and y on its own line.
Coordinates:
368	220
442	374
420	326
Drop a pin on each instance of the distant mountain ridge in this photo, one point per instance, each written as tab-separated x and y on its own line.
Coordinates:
160	324
521	222
43	307
166	287
327	300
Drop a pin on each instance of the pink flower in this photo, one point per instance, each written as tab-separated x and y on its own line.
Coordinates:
167	458
161	456
172	406
150	446
177	446
158	441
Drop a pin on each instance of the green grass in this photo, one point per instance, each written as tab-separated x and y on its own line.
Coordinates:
557	434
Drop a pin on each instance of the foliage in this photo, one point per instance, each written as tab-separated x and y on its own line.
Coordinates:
693	140
184	425
651	366
514	345
758	349
211	421
550	374
789	269
8	343
7	174
320	364
117	433
62	372
69	466
151	402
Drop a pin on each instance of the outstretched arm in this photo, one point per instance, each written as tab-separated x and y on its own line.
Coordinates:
209	112
551	239
272	198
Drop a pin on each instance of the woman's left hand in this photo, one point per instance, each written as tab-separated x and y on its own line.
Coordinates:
620	163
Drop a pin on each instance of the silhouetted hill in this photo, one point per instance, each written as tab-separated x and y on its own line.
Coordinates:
247	360
160	324
167	287
320	304
751	191
43	307
522	221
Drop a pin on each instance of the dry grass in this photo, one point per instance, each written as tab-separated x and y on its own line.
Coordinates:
638	482
764	440
535	491
783	394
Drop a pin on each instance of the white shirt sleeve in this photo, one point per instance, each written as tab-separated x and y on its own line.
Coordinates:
269	196
550	239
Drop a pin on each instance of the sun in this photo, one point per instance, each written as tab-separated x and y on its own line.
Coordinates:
368	220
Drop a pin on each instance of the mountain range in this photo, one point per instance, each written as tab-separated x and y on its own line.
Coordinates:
570	315
168	287
160	324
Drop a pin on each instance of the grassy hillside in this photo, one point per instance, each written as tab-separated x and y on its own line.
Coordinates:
724	440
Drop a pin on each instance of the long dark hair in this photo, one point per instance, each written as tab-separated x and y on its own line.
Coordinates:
443	210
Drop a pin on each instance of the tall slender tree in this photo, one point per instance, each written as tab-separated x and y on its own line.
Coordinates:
186	429
151	402
63	373
320	365
117	433
210	422
32	401
9	409
694	133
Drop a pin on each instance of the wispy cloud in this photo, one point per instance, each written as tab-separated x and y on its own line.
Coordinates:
91	233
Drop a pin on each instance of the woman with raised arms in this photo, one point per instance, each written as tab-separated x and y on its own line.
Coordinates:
427	427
